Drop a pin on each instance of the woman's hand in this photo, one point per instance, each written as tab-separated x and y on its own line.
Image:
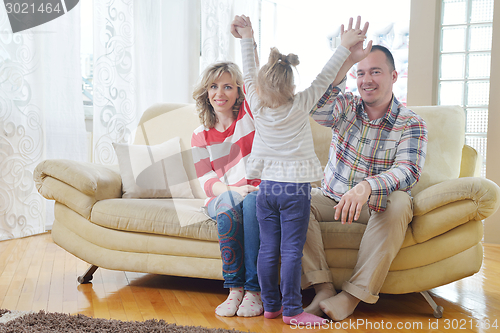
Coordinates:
237	22
244	190
219	187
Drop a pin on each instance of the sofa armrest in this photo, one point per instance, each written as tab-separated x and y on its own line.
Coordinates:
78	185
446	205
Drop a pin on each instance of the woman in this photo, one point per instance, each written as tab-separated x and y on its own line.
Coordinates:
220	149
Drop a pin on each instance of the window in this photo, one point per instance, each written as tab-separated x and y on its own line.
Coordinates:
465	59
310	30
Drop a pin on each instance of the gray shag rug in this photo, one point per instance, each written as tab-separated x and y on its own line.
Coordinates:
28	322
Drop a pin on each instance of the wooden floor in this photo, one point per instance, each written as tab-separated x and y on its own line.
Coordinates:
36	274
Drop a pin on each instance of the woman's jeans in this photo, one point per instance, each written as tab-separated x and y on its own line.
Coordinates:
238	232
283	214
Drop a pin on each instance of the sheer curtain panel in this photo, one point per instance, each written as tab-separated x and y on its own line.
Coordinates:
148	52
41	115
217	43
127	70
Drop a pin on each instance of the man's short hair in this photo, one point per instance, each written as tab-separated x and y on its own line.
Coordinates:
388	55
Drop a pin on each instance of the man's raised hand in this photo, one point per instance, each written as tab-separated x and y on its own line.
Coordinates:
239	26
358	53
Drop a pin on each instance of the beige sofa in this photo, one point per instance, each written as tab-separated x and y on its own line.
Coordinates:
94	222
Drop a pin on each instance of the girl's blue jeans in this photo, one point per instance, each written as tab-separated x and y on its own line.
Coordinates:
283	214
238	232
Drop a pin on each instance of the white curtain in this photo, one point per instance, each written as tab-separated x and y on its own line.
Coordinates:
217	43
148	52
127	70
41	115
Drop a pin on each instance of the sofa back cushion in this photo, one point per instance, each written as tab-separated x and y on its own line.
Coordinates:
446	139
153	171
445	124
162	122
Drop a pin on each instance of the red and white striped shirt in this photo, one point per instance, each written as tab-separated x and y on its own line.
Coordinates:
222	156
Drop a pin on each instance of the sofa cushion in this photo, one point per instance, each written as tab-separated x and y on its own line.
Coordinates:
153	171
156	216
446	137
131	242
152	130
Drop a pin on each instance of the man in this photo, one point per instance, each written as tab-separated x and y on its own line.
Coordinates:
376	157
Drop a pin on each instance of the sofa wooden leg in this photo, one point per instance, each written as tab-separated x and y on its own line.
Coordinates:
438	310
87	277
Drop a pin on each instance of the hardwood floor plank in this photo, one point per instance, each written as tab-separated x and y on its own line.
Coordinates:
42	289
145	306
116	309
199	300
126	294
27	296
26	292
132	311
183	298
84	300
178	311
99	302
10	285
161	308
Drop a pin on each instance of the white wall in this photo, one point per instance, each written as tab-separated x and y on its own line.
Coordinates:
423	54
492	224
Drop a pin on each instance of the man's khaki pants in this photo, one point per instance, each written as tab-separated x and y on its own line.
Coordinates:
381	242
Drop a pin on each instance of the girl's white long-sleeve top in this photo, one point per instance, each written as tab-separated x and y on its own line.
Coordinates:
283	148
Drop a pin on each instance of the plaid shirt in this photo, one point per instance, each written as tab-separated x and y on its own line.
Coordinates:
388	152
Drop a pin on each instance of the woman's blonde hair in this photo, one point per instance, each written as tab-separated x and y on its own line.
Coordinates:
275	79
200	94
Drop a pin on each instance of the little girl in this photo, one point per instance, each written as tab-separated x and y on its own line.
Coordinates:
283	158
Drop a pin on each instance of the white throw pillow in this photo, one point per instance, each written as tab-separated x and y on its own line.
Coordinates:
153	171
